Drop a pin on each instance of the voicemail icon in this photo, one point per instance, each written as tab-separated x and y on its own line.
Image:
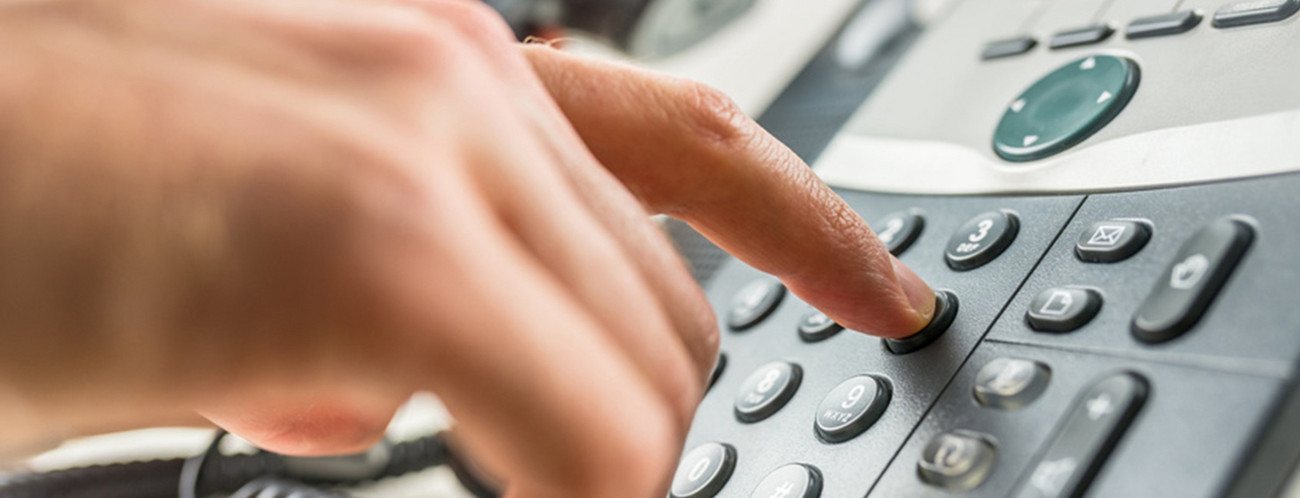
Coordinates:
1107	235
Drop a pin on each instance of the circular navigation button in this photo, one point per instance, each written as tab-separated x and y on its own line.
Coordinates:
851	408
754	303
981	239
1010	383
899	229
703	471
791	481
766	390
816	326
1065	107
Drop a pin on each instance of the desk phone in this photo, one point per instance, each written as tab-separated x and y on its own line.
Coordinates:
1103	194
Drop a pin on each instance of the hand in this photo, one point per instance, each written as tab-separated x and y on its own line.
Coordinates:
289	215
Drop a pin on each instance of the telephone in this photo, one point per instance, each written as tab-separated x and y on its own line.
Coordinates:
1103	195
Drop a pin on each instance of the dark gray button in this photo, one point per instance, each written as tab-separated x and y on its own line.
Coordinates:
1186	288
1062	309
899	230
718	367
1163	25
956	461
1081	36
754	303
945	310
1254	12
766	390
1010	383
1112	240
791	481
851	408
1091	428
703	471
981	239
816	326
1007	48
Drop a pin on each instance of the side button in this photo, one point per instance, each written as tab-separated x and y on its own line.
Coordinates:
1163	25
1191	281
945	310
1081	36
703	471
1092	427
1007	48
1254	12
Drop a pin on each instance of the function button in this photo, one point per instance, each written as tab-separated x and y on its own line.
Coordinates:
1092	427
1111	241
1191	281
1010	383
1163	25
703	471
1081	36
851	408
754	303
791	481
816	326
1007	48
945	310
981	239
767	390
1063	309
899	230
956	461
1254	12
1065	107
718	367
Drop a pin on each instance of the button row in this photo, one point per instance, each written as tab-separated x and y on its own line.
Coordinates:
705	470
847	410
1229	16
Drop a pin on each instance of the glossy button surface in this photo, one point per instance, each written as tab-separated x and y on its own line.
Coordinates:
1064	107
790	481
816	326
1062	309
703	471
755	302
981	239
766	390
956	461
1111	241
899	229
851	408
1192	280
1010	383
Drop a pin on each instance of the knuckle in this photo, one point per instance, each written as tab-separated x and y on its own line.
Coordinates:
713	115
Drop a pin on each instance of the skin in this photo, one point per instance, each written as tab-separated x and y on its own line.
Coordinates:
287	216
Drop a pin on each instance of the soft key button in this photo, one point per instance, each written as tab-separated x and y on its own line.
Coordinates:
1190	282
791	481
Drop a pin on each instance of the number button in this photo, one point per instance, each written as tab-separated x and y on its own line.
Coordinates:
754	303
816	326
851	408
790	481
981	239
766	390
703	471
899	229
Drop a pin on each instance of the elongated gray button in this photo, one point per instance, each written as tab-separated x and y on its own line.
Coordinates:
1254	12
1191	281
1163	25
1091	428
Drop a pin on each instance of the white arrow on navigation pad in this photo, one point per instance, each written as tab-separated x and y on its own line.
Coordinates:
1030	139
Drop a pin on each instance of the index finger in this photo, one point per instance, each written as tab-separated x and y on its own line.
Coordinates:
688	151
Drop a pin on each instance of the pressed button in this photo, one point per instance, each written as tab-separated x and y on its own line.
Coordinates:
1082	36
1111	241
754	303
791	481
718	367
1254	12
981	239
1091	428
1007	48
1062	309
851	408
899	229
1163	25
1065	107
1191	281
956	461
945	310
766	390
816	326
703	471
1010	383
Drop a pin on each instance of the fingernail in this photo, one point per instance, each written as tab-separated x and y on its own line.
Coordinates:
919	294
